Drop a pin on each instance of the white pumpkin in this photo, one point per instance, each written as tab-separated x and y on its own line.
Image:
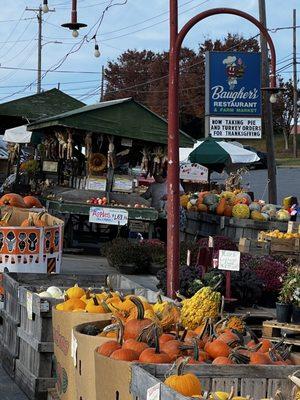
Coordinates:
55	292
44	295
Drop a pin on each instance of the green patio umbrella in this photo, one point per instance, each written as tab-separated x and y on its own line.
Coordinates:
216	154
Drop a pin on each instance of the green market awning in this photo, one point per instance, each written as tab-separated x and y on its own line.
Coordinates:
28	109
216	154
124	117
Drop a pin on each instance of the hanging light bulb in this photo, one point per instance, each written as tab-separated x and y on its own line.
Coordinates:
75	33
45	7
97	51
273	98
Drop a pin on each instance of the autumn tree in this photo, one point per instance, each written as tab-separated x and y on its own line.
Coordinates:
143	75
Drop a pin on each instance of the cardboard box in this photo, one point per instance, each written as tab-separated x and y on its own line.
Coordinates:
31	249
65	348
113	378
85	376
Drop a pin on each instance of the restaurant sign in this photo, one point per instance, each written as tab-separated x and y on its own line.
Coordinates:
233	83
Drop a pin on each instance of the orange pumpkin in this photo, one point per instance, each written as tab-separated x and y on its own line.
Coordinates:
259	358
227	211
221	206
106	349
222	361
27	222
135	345
13	200
217	348
39	223
31	202
134	326
124	355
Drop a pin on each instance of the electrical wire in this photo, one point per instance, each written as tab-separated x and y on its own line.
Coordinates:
13	30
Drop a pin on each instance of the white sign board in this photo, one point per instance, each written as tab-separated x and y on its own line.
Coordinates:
229	260
153	393
235	127
96	184
108	216
193	172
122	184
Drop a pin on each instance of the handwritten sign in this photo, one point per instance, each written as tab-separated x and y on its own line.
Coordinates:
229	260
122	184
96	184
153	393
193	172
108	216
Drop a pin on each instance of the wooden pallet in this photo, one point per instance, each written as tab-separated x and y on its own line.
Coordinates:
273	330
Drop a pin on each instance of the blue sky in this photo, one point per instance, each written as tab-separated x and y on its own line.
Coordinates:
139	24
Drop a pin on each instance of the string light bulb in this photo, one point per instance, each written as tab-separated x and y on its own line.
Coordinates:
45	7
97	51
273	98
75	33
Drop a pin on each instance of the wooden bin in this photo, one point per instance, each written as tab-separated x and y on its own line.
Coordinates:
256	381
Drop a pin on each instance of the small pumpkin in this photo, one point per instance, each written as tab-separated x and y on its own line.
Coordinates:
217	348
32	202
185	384
222	361
221	207
71	305
93	306
39	222
13	200
136	345
75	292
154	355
124	355
134	327
27	222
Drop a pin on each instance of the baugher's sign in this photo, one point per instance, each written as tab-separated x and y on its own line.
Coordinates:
233	83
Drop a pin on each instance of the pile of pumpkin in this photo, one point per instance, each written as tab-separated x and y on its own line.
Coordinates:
15	200
33	220
235	204
279	235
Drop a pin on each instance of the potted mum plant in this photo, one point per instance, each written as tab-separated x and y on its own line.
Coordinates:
156	251
289	299
284	304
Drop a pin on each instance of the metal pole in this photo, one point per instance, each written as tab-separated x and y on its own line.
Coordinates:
102	84
295	85
39	68
267	109
173	159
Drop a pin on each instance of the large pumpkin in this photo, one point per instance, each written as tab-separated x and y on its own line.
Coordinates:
13	200
31	202
241	211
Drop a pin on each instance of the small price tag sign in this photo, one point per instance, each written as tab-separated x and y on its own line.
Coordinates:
153	393
229	260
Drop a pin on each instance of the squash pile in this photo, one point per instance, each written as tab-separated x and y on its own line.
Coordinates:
279	235
237	204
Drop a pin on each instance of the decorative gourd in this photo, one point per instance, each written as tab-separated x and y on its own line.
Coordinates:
268	207
266	216
241	211
31	202
228	211
242	198
213	208
191	207
211	199
283	215
257	216
75	292
71	304
160	305
185	384
134	327
154	355
217	348
184	199
13	200
271	215
254	206
202	207
221	207
228	196
194	199
87	297
93	306
55	292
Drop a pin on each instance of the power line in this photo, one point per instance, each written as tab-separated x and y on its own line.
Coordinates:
13	30
46	70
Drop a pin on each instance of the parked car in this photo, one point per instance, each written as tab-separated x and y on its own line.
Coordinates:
263	159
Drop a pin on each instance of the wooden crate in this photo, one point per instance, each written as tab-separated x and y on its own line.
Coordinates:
274	330
8	361
256	381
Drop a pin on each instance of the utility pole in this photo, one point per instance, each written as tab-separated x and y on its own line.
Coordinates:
39	11
295	85
102	84
267	109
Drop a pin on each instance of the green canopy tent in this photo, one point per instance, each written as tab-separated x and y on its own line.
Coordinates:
124	117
